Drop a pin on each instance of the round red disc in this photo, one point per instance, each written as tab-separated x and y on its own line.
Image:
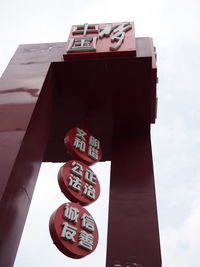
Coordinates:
73	230
78	182
82	145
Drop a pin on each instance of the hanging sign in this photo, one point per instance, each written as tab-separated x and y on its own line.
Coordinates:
78	182
82	145
73	230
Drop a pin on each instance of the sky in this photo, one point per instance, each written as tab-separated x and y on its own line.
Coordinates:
174	26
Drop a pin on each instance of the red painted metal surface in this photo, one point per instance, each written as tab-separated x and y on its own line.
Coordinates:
34	90
26	118
132	225
70	245
85	178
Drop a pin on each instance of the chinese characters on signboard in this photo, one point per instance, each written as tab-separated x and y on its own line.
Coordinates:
98	39
82	145
78	182
72	228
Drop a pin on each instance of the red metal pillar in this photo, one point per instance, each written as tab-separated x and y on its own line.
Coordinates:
26	106
133	235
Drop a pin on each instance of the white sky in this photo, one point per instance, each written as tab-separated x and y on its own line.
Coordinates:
174	25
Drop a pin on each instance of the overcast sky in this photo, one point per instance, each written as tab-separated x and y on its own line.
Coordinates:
174	26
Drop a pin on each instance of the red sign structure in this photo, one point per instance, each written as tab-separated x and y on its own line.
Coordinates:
82	145
97	40
73	230
78	182
123	70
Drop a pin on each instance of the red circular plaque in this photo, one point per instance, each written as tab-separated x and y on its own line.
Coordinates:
78	182
81	144
73	230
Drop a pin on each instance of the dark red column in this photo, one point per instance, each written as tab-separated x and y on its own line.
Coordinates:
133	235
26	105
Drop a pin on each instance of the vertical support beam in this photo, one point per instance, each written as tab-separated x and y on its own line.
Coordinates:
17	196
26	103
133	235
